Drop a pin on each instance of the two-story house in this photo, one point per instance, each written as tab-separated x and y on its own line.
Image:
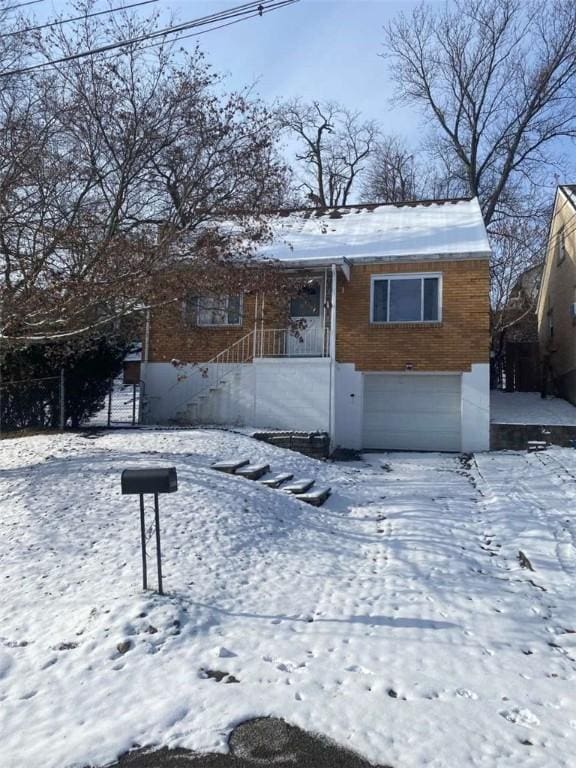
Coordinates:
387	346
557	299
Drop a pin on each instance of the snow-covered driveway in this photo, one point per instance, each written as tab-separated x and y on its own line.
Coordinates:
396	619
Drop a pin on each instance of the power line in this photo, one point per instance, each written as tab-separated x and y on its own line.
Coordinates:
21	5
240	13
278	4
58	22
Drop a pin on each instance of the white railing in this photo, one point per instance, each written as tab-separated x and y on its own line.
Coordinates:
226	362
259	343
288	342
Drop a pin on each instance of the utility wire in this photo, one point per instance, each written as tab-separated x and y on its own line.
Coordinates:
240	13
279	4
21	5
58	22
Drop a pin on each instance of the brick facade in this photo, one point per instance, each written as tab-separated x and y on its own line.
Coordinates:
175	335
454	344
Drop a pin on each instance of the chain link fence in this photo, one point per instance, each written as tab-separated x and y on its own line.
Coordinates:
121	407
37	405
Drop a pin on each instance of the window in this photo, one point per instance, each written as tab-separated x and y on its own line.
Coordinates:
406	298
561	246
218	310
307	302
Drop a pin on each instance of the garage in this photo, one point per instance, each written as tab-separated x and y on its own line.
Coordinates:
412	412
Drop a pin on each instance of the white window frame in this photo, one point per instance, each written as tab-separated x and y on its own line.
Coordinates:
221	325
404	276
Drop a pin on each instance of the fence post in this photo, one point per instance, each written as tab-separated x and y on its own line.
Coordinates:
110	401
62	401
133	405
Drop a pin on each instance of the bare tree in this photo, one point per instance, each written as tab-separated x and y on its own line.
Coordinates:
126	180
497	78
333	147
392	175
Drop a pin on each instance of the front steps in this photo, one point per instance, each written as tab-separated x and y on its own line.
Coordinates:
301	489
277	480
253	471
299	486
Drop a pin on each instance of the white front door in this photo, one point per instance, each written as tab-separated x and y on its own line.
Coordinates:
306	313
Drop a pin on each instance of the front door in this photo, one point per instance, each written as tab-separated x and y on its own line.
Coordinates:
307	316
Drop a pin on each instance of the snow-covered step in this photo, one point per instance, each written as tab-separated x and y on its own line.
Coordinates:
537	445
230	465
299	486
253	471
277	480
316	497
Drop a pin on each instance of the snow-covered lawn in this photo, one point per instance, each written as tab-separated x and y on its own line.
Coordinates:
531	408
396	619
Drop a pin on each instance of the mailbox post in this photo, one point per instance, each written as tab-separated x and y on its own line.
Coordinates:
154	480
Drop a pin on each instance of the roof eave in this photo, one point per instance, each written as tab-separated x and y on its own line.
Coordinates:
373	258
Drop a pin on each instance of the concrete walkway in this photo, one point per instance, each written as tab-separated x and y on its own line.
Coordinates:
261	742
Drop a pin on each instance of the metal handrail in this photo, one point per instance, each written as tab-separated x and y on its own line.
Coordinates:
291	342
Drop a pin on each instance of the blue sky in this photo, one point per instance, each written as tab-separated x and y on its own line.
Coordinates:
315	49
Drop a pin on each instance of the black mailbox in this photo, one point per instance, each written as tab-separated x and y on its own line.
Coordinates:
153	480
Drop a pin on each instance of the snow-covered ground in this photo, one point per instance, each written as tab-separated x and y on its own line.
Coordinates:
396	619
530	408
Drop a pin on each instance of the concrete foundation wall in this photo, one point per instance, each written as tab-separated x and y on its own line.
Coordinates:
476	409
292	394
515	437
279	394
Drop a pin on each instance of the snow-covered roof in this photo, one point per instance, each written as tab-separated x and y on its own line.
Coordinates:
135	354
428	229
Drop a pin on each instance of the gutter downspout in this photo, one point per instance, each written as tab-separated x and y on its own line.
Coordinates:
332	419
144	366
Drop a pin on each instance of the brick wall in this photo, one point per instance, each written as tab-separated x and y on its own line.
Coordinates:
173	335
460	339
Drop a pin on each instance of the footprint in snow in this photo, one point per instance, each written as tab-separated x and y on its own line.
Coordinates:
464	693
520	716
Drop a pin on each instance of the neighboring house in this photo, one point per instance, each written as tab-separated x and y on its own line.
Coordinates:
131	365
516	362
557	299
393	346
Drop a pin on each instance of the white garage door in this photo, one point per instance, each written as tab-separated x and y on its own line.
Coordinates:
412	413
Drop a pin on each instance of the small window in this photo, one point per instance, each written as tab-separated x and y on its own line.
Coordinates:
551	323
406	299
561	246
218	310
307	302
